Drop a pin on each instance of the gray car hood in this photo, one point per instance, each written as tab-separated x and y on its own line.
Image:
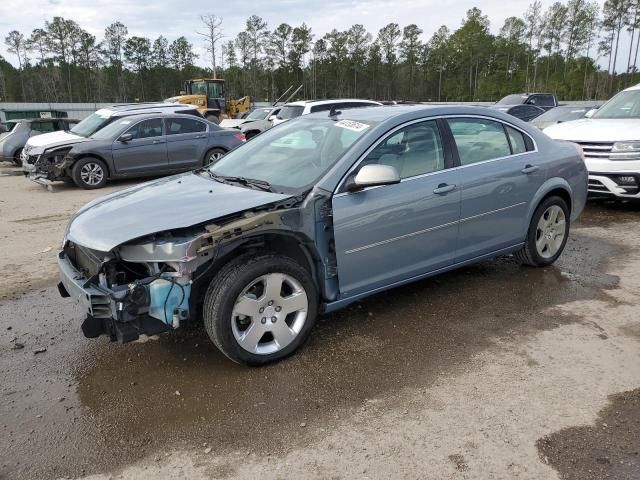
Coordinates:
165	204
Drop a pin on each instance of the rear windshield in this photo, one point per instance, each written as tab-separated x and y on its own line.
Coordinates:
290	111
512	100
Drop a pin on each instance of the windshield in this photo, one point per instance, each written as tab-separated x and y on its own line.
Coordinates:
259	114
623	105
290	111
113	129
293	155
512	100
199	88
92	123
563	114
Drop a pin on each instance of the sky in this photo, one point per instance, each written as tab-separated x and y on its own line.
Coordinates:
171	19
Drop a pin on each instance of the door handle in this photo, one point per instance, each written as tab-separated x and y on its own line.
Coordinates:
444	188
530	169
158	141
201	136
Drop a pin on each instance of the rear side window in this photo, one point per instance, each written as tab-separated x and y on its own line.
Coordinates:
542	100
146	129
43	126
322	108
479	139
290	111
178	126
517	140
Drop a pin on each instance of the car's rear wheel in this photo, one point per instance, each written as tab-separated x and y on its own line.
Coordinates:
89	173
213	156
16	157
548	233
260	309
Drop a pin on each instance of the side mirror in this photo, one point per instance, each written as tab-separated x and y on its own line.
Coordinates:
127	137
272	118
373	175
182	92
590	113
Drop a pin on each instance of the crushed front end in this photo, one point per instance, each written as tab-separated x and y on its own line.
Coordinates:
137	288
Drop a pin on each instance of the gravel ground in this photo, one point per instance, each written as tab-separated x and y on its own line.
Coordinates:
495	371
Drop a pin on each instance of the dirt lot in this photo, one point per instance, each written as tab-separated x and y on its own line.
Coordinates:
32	222
495	371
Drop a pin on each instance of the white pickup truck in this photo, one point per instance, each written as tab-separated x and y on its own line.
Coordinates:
610	140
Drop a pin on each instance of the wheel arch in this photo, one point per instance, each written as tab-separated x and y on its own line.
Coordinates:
552	187
294	245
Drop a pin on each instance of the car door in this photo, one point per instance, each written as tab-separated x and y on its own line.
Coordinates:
144	152
186	142
499	175
391	233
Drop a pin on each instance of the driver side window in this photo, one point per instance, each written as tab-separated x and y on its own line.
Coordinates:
146	129
413	150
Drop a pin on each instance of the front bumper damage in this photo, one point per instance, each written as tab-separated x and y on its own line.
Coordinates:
119	314
145	286
45	169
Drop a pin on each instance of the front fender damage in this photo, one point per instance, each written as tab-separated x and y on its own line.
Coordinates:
148	282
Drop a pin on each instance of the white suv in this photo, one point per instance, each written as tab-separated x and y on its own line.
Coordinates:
305	107
610	140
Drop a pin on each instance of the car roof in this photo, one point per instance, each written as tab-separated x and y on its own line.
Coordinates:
146	107
387	112
145	116
635	87
302	103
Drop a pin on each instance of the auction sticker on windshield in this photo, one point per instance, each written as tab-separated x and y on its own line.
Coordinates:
352	125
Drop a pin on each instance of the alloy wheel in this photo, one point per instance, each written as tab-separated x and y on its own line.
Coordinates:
551	231
269	313
92	173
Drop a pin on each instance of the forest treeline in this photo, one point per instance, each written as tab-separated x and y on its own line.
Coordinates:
571	49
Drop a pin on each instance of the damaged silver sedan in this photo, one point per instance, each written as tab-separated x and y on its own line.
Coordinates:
313	215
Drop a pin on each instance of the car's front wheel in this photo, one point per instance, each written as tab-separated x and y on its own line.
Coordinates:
89	173
548	233
259	309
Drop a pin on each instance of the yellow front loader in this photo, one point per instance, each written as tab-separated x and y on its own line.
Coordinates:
208	95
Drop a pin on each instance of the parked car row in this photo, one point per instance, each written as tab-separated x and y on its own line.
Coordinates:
125	141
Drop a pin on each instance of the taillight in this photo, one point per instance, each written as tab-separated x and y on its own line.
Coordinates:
240	136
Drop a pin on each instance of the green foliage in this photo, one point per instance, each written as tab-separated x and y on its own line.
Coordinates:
558	50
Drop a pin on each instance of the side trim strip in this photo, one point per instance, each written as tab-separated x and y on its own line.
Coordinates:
430	229
473	217
401	237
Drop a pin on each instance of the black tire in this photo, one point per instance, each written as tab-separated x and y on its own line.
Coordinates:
16	157
212	118
529	254
78	177
249	135
229	283
214	151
